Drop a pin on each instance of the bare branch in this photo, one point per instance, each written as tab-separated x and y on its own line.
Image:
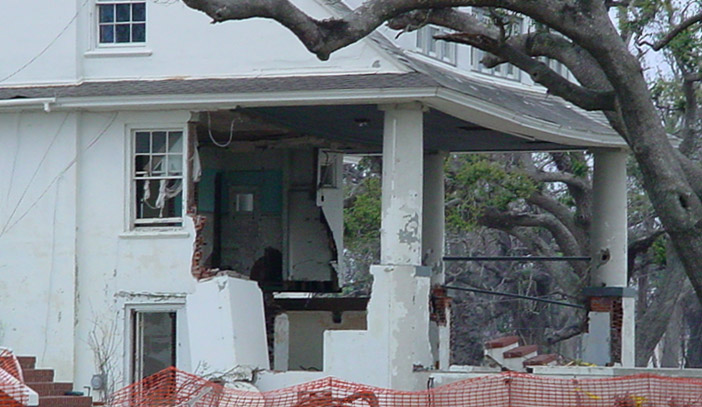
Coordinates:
685	24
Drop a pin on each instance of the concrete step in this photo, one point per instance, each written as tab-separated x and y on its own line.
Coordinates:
514	358
27	362
51	388
38	375
65	401
495	348
521	351
548	359
501	342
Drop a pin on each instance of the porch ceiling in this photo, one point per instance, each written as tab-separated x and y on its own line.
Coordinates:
360	127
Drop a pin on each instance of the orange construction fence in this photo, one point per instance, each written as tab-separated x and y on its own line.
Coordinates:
172	387
13	391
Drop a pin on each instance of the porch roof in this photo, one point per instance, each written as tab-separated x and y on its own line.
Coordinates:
465	113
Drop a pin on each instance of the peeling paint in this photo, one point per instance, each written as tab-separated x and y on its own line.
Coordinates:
409	234
149	295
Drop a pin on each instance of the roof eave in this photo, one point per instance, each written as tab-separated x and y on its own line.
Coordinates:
499	118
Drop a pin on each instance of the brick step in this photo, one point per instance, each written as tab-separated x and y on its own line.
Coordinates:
27	362
501	342
520	351
51	388
541	360
65	401
38	375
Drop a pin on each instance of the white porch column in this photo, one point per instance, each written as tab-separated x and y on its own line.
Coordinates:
401	216
611	317
399	305
433	237
397	338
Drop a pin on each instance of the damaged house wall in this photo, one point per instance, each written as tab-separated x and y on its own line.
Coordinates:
267	215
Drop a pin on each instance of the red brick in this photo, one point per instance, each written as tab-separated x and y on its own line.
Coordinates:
38	375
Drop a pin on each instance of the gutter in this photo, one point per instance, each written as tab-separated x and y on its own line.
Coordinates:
22	102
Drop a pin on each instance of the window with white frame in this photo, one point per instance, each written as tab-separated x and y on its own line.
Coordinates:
504	70
157	177
430	46
121	22
153	337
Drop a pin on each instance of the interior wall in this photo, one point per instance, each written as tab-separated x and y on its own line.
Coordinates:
306	335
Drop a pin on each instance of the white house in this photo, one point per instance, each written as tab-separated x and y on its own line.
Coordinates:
144	151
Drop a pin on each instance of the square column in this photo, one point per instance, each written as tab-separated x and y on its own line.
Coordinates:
397	339
610	338
401	213
433	240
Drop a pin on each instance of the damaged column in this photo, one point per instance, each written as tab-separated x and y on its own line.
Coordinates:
433	236
399	305
610	337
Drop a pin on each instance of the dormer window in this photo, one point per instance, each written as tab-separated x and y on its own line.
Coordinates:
505	70
121	22
428	45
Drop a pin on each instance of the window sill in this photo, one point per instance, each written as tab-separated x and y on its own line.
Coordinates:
155	233
118	52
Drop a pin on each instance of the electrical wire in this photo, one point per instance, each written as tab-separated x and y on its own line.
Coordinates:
70	164
46	48
215	142
36	171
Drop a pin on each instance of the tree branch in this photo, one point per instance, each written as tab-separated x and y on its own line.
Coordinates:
685	24
585	98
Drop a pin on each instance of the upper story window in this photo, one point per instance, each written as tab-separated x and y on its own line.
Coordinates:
157	177
430	46
505	70
121	22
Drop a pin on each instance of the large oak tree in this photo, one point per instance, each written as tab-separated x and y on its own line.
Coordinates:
581	34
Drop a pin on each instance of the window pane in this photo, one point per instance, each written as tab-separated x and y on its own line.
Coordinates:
123	13
175	141
432	41
122	32
107	33
158	337
157	167
159	141
138	32
175	165
139	12
142	142
141	165
107	13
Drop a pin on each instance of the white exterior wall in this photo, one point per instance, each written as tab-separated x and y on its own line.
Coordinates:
68	259
38	235
180	43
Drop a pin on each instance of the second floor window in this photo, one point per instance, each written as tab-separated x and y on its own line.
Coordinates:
439	49
121	22
505	70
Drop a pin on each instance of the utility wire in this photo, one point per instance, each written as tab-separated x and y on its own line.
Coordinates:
524	297
70	164
49	45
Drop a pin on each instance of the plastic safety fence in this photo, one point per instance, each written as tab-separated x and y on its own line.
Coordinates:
172	387
13	391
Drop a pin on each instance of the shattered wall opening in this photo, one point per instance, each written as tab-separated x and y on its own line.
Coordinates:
266	201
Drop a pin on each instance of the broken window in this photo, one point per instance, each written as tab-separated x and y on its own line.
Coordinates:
153	342
158	177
